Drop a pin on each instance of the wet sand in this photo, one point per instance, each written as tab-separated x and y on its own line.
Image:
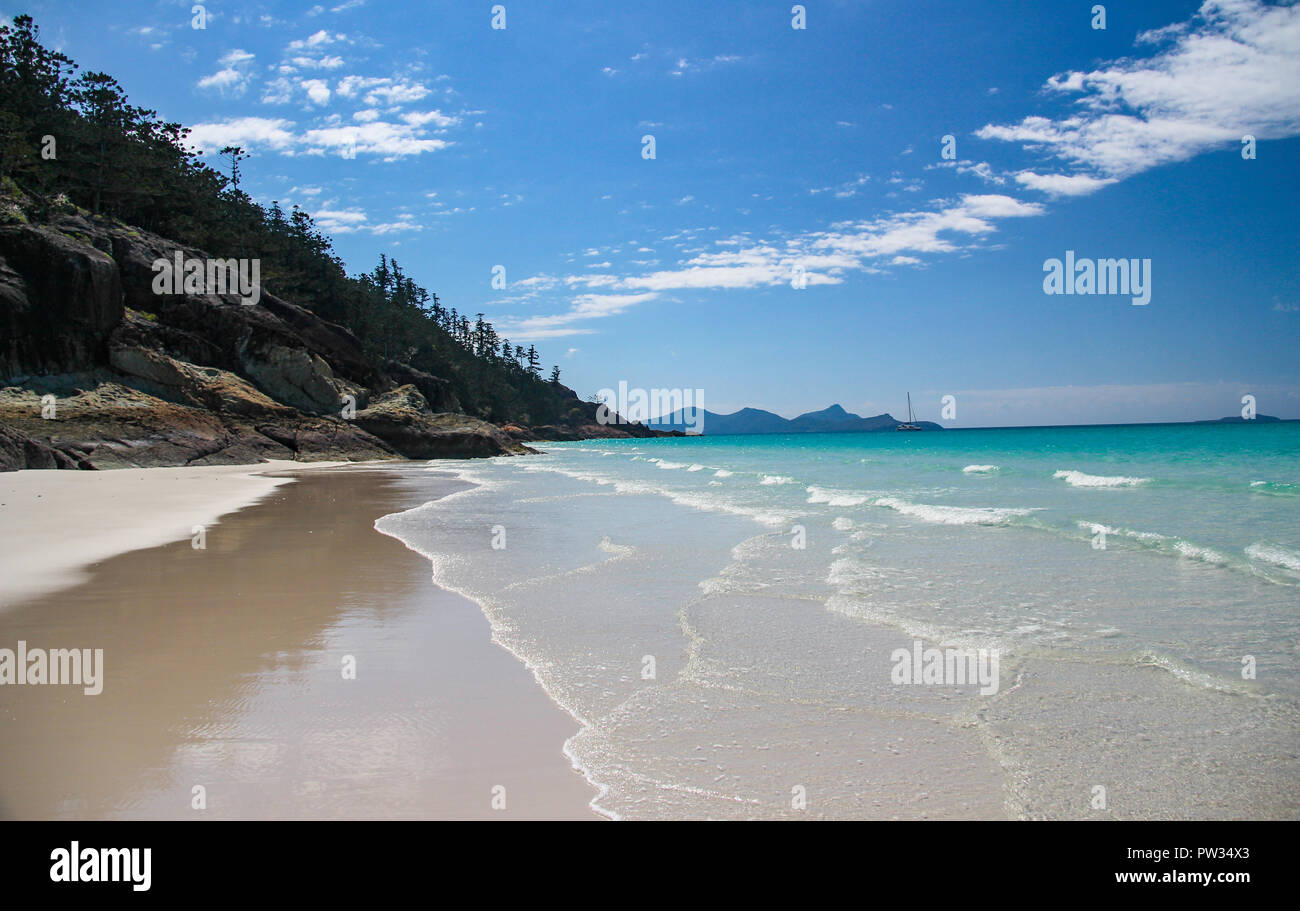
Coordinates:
224	671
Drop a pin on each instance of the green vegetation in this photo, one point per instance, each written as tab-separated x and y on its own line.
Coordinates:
69	138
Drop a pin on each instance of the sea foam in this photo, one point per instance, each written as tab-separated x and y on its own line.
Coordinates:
836	497
1079	479
1156	541
1274	555
1275	488
953	515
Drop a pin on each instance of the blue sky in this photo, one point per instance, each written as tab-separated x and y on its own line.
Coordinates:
776	149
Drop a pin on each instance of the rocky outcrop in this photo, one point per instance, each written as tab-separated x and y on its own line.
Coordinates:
60	297
404	420
142	378
202	387
19	451
436	391
105	424
592	431
296	376
290	353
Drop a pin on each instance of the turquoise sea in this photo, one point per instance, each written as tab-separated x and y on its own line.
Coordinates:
722	614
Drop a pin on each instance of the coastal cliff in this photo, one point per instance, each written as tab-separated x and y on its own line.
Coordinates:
99	371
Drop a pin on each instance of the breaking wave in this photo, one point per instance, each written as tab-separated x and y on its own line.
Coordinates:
1079	479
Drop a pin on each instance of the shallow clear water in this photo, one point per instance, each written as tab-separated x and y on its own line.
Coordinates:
1126	576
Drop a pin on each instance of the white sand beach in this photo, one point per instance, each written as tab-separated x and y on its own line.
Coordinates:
56	524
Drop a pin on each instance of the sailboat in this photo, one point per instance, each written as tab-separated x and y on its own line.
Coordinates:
910	425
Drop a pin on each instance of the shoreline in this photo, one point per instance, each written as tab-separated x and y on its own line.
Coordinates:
222	669
523	660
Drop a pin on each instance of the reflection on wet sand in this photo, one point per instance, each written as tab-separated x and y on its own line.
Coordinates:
223	672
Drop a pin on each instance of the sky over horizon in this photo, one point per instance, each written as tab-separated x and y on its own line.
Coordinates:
843	212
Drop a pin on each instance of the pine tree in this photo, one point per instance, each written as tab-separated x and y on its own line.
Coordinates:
106	119
236	154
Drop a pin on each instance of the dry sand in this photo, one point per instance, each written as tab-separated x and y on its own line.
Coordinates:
223	666
54	524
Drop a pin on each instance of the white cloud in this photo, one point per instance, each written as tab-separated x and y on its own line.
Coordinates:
249	132
318	91
402	224
1063	184
1230	71
537	281
702	64
381	91
537	335
351	220
318	39
845	190
283	89
311	53
582	307
331	62
278	91
983	170
233	77
822	258
341	217
389	141
439	120
926	232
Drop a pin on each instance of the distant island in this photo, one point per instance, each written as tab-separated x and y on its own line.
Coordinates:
1238	419
756	421
834	419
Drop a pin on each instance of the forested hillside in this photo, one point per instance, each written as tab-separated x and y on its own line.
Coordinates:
70	138
100	368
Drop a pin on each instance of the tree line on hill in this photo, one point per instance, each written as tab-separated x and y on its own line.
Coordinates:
73	136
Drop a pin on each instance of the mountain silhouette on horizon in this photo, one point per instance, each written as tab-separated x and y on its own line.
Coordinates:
833	419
